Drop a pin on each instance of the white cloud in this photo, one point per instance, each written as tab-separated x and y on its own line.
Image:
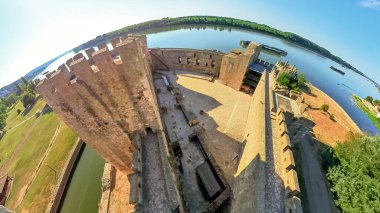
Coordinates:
374	4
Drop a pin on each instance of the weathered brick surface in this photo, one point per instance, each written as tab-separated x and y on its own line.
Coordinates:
187	59
234	65
106	99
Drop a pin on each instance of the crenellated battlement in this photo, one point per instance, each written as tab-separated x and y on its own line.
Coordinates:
106	97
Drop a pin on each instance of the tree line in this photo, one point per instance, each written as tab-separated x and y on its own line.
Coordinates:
221	21
26	93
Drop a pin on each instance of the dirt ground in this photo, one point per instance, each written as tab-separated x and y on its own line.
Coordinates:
119	199
326	130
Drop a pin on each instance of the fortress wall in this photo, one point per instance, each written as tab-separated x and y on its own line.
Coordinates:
235	64
107	98
292	189
249	192
186	59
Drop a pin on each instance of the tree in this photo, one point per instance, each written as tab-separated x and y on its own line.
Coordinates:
18	111
291	81
28	98
10	100
3	116
19	91
369	99
301	79
353	170
24	81
284	79
325	107
376	102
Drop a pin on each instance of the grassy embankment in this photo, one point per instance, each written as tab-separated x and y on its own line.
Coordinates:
21	150
359	102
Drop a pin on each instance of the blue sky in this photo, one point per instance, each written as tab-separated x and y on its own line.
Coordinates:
34	31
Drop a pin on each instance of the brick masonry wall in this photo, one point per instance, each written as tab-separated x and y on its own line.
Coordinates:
107	98
187	59
235	64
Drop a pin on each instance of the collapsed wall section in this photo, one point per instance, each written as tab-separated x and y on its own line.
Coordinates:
107	98
186	59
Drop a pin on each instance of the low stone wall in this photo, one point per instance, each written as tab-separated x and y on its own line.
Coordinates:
204	61
292	189
64	177
171	185
106	188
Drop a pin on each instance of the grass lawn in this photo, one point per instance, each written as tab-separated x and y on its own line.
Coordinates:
21	149
359	103
41	189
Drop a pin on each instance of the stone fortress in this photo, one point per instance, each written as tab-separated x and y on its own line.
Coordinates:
125	101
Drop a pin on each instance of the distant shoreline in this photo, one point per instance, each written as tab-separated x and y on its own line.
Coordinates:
221	22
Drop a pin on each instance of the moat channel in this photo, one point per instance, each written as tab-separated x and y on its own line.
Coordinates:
84	190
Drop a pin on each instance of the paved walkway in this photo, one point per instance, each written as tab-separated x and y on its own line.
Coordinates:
155	198
274	187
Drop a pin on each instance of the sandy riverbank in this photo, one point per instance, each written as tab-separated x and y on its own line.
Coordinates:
326	130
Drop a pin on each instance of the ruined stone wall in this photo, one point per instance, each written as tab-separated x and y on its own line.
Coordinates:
107	98
235	64
186	59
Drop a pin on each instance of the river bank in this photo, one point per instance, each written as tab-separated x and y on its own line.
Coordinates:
368	109
328	131
64	177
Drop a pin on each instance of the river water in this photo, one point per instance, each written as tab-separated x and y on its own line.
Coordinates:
84	190
315	67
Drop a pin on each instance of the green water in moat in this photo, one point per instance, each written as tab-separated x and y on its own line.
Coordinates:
84	191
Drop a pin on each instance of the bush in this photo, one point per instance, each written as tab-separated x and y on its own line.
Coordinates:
301	79
10	100
325	107
353	171
28	98
291	81
284	79
332	117
18	111
369	99
376	102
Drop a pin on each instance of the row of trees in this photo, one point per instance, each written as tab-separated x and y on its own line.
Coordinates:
26	93
353	170
220	21
375	102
